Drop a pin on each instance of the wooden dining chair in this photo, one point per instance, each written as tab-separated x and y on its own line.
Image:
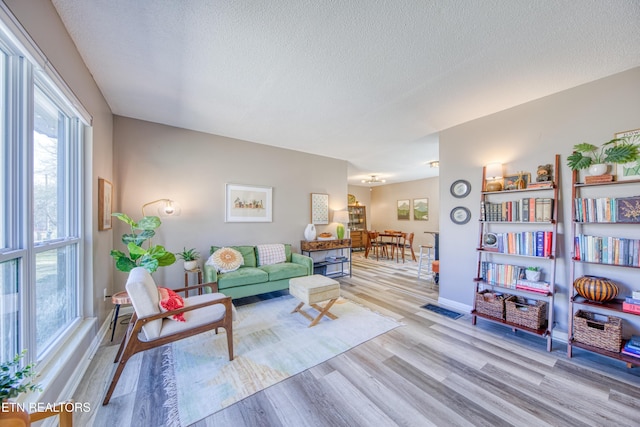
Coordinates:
408	245
374	244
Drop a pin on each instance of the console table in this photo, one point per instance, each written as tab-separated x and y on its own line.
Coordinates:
320	264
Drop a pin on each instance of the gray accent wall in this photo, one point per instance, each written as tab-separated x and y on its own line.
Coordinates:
522	138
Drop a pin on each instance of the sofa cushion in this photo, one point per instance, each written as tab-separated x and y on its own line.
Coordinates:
284	270
169	300
248	254
226	260
242	276
271	254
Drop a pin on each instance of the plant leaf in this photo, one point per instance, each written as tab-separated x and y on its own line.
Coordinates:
585	147
125	264
124	218
578	161
149	223
623	153
150	264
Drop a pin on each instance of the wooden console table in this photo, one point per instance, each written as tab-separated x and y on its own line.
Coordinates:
307	247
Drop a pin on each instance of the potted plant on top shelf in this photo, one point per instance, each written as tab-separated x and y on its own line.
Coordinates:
13	382
595	159
190	258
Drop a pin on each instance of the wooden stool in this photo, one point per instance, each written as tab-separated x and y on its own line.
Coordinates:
425	253
312	290
118	299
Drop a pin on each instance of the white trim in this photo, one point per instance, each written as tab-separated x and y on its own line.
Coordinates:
455	305
12	28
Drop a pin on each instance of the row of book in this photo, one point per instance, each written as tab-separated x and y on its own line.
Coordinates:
531	243
510	276
607	250
632	347
525	210
606	209
631	305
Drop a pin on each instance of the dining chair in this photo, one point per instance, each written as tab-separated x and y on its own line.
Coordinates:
408	244
151	327
374	243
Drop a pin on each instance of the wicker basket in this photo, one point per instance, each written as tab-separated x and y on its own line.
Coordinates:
490	303
529	313
602	334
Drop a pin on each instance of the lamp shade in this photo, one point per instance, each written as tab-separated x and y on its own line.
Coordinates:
341	216
493	171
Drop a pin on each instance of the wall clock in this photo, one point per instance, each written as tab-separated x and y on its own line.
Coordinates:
460	188
460	215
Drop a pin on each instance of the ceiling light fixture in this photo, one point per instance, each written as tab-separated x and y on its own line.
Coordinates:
434	164
373	180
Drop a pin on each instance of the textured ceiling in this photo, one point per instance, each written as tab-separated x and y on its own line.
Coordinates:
368	81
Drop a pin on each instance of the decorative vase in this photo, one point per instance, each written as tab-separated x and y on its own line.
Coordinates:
12	415
310	232
532	275
595	288
340	231
190	265
597	169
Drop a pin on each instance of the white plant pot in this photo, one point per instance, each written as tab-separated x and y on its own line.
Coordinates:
190	265
597	169
533	276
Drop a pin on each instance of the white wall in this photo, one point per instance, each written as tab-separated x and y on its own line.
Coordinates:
155	161
522	138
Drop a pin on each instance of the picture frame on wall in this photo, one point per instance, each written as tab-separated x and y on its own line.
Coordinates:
248	203
319	208
404	209
626	172
421	209
105	204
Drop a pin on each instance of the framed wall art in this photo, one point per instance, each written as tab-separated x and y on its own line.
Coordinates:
105	204
626	172
511	182
421	209
248	203
404	209
319	208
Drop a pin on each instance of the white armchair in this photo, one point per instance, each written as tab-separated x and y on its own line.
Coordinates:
150	327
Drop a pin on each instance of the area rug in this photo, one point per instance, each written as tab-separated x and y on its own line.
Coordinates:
270	345
443	311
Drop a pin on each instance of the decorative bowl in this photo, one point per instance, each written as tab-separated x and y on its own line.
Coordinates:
595	288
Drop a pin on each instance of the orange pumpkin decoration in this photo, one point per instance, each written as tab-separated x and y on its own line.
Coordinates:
595	288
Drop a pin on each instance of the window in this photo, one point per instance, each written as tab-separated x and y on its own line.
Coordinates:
40	194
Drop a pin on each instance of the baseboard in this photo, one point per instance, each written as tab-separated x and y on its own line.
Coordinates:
454	305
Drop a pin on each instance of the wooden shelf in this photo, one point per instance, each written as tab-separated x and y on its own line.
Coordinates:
520	255
524	190
505	288
614	305
540	332
595	184
603	263
630	360
521	222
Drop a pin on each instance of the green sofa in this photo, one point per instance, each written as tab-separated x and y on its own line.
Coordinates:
251	279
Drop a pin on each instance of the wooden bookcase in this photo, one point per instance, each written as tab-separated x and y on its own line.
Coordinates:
504	248
357	226
588	223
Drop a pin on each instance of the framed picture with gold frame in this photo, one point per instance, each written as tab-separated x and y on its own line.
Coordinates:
319	208
510	182
105	204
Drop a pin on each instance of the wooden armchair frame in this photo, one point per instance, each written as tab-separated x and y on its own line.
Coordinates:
131	344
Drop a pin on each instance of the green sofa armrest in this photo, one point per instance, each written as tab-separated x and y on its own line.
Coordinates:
210	274
303	260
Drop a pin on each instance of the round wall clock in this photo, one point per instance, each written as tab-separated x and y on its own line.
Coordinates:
460	188
460	215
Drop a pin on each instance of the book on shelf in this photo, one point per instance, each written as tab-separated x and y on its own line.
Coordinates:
629	352
634	341
630	308
335	258
530	284
631	300
547	184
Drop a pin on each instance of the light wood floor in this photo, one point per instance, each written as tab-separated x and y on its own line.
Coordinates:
433	371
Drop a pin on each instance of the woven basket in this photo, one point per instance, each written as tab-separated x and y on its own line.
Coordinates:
491	304
606	335
529	313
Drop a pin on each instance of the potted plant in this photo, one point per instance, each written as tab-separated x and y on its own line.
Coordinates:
190	257
594	158
533	274
152	257
13	382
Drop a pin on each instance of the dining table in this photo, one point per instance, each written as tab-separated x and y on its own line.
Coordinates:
393	239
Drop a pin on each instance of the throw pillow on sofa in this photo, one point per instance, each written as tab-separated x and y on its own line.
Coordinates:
226	260
271	254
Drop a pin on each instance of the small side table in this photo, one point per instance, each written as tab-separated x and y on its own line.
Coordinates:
118	299
197	271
